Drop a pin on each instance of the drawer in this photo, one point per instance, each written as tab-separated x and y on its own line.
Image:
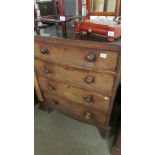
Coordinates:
68	92
80	57
76	111
88	80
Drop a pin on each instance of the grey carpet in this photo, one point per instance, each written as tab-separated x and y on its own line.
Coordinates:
57	134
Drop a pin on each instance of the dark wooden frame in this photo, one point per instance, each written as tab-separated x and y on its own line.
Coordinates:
116	13
53	19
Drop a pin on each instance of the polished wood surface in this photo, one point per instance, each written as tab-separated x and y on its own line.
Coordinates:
91	41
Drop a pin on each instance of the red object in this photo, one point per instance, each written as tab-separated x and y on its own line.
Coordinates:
110	29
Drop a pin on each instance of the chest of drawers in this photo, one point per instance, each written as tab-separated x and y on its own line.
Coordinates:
78	78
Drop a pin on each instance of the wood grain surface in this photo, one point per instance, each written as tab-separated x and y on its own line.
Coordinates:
103	82
76	95
76	111
76	57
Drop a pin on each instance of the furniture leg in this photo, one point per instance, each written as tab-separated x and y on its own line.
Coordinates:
110	39
103	132
45	107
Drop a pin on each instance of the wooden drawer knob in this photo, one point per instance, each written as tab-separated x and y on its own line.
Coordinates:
88	115
47	71
51	88
90	57
44	50
55	102
89	79
88	99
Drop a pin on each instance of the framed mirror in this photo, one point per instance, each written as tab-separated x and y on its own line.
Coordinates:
103	7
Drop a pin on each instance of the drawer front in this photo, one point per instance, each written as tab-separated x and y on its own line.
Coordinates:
92	81
76	111
80	57
68	92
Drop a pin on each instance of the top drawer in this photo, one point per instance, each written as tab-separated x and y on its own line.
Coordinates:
80	57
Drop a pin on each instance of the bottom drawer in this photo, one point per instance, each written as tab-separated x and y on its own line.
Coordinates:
76	111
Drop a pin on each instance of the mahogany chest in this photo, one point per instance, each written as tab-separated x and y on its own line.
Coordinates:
78	78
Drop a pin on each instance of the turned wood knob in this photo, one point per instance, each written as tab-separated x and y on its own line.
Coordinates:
88	99
44	50
46	71
51	88
88	115
89	79
55	102
90	57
